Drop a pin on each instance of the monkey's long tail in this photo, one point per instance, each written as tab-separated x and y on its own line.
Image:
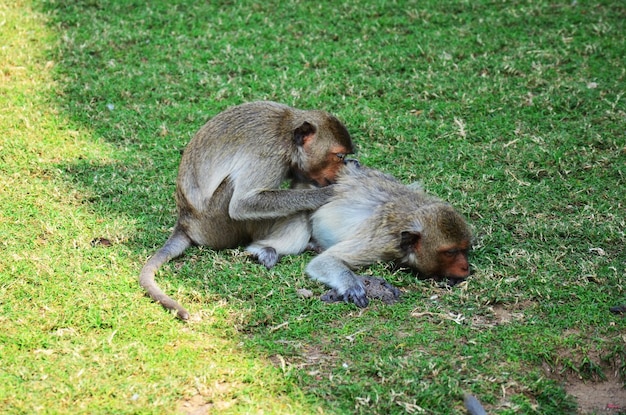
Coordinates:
473	406
175	246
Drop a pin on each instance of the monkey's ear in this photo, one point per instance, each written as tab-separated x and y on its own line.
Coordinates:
305	132
409	240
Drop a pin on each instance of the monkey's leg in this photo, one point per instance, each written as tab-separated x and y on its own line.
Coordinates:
287	236
332	271
175	246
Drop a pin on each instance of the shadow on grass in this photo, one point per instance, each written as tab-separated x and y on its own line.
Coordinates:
133	75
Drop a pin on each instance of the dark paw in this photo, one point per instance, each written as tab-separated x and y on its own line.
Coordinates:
373	287
313	246
268	257
355	295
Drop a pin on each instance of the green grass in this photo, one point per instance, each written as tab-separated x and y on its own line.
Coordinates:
512	111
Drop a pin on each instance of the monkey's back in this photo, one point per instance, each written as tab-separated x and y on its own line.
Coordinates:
362	194
228	144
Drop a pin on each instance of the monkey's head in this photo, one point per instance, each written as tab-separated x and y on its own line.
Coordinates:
322	143
439	245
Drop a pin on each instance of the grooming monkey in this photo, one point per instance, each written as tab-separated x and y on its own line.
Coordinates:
228	188
373	217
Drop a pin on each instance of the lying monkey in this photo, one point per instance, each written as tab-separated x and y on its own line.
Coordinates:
373	217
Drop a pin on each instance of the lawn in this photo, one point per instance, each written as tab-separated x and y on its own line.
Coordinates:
513	111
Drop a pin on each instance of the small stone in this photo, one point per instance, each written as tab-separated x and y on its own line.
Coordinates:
304	293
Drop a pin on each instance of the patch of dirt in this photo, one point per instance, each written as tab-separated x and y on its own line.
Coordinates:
308	357
201	404
502	314
195	405
598	389
607	397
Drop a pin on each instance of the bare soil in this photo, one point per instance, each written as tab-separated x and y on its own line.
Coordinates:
607	397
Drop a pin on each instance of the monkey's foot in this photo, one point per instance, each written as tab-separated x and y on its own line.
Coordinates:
265	256
314	247
376	288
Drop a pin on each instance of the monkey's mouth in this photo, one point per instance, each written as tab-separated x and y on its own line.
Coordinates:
299	176
326	182
454	281
447	280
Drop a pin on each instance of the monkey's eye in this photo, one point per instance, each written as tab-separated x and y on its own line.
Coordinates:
340	156
451	253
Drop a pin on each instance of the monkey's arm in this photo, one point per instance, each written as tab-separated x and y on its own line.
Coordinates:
276	203
332	271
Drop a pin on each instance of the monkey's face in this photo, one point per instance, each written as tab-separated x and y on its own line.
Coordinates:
324	170
323	145
443	261
445	245
453	261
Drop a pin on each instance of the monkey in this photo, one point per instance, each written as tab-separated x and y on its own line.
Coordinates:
228	189
373	217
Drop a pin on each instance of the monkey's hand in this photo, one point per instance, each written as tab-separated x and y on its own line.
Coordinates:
373	287
356	295
314	247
